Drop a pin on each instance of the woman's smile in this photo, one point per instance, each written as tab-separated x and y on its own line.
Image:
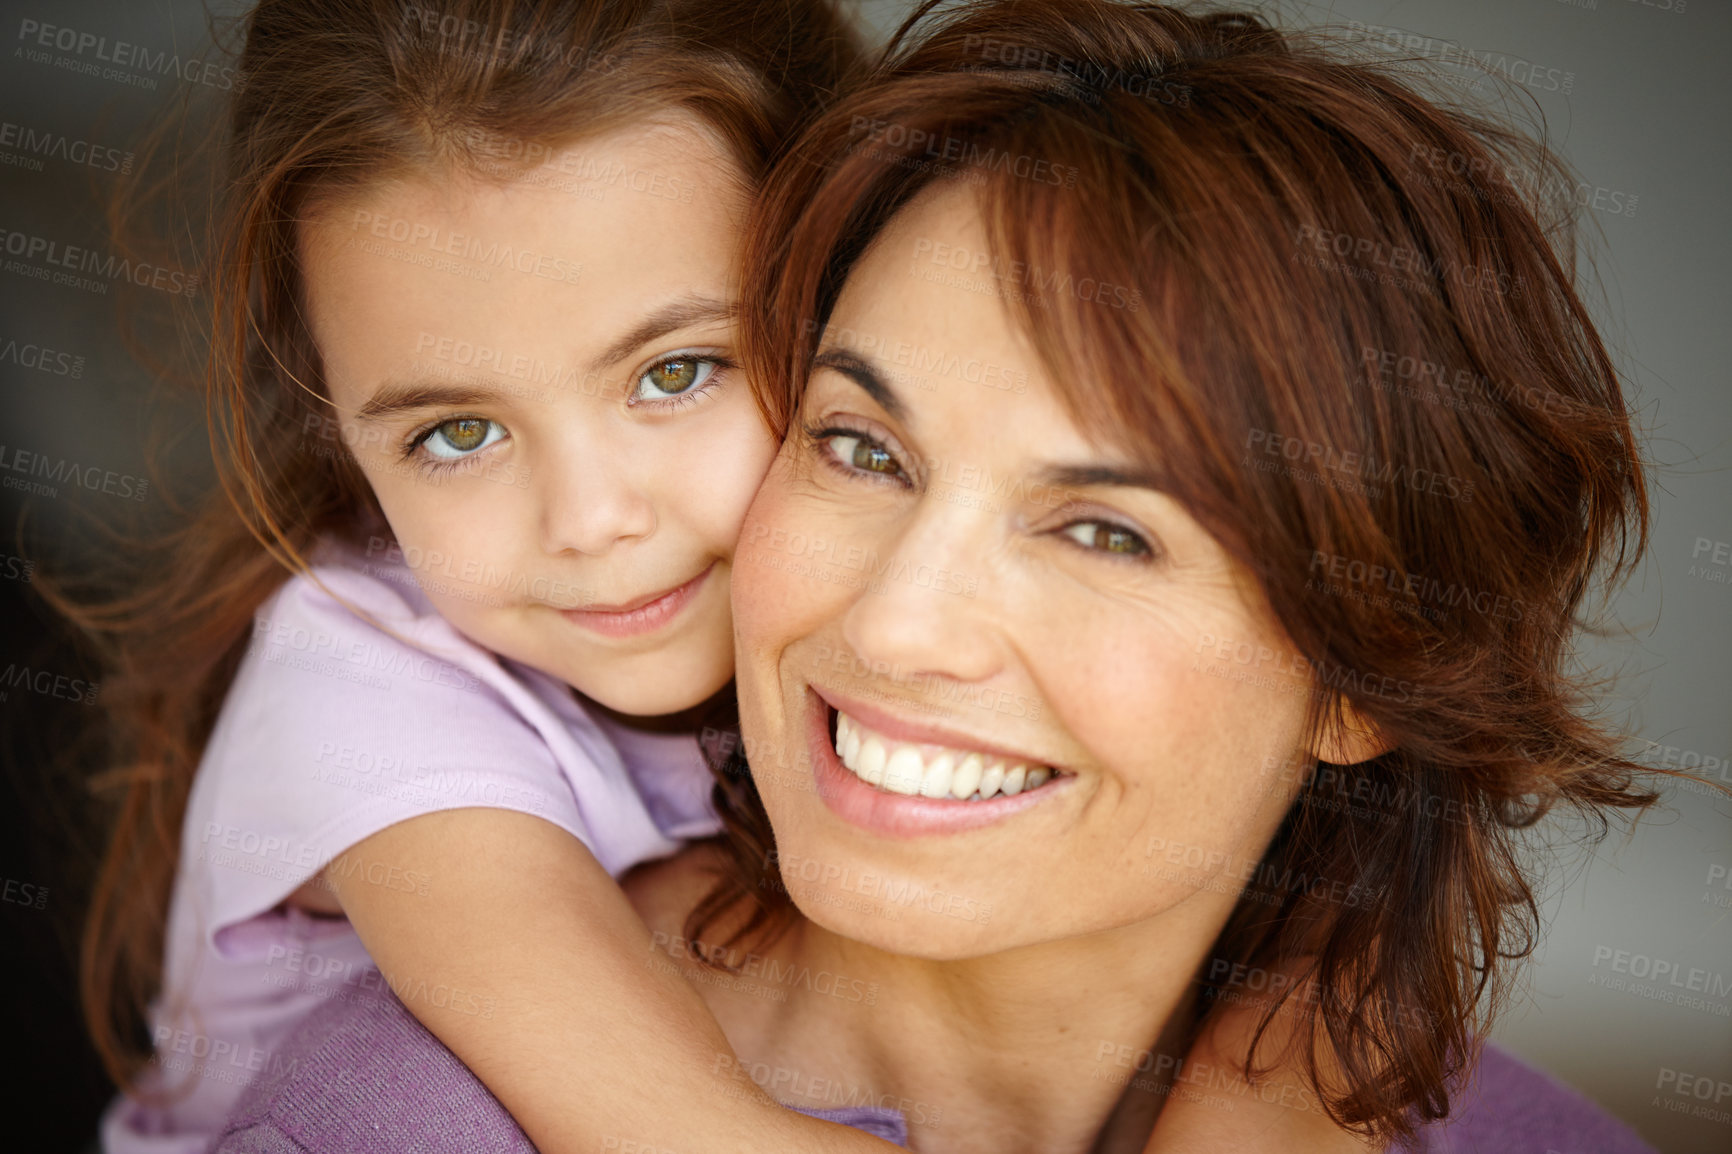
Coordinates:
896	777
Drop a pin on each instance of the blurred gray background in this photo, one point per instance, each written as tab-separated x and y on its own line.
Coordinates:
1628	998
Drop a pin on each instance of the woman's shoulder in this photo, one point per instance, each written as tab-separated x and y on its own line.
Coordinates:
1510	1107
362	1076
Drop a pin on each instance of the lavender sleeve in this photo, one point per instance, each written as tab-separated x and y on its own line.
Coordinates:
364	1077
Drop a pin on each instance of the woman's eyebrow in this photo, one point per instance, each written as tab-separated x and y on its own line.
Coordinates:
863	373
679	314
1087	476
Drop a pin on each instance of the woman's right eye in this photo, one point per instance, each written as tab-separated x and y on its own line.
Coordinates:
857	451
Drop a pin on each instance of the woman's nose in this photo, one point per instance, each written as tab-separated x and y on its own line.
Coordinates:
927	606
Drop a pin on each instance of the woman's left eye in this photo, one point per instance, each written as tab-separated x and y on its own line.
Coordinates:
1106	537
673	377
461	437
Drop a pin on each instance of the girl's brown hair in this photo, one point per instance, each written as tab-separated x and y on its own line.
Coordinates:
1339	320
332	95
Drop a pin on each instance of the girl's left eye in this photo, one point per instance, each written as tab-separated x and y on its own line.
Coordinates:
673	377
1105	537
460	437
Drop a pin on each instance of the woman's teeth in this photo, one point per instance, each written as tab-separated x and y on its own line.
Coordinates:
899	767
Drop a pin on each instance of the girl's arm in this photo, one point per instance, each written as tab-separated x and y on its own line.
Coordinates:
526	959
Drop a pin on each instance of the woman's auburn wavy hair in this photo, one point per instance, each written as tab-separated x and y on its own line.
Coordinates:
1166	191
333	95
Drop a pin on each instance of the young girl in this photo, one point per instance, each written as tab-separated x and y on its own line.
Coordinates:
471	391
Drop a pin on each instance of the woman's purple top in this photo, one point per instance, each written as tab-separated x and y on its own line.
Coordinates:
364	1077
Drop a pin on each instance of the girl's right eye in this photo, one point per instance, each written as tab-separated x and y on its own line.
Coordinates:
460	437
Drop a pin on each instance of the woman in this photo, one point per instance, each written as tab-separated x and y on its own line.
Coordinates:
1125	664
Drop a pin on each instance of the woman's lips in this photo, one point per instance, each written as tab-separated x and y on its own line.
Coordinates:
645	615
906	814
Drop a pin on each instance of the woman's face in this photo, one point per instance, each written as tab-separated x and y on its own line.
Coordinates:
535	375
945	579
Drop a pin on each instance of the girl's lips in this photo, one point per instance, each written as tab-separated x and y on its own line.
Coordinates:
646	616
893	814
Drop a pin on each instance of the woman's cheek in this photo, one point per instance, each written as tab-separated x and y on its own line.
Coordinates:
776	600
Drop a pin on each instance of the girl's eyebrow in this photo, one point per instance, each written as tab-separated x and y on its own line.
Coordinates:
672	317
400	397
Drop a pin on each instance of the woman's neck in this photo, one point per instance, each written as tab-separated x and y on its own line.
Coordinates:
1030	1049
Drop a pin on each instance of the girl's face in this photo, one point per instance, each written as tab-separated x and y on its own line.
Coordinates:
949	592
537	378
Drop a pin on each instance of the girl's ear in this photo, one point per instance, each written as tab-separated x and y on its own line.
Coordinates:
1346	737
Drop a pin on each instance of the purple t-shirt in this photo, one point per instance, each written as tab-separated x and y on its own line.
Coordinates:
368	1078
358	706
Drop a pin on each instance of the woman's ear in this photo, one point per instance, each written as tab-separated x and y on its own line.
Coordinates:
1347	737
